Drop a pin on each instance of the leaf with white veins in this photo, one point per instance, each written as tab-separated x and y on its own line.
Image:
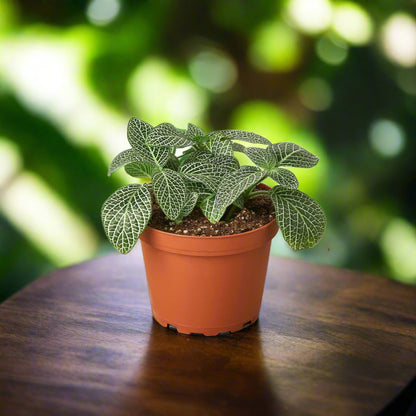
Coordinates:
229	163
219	146
242	135
284	177
166	134
291	154
137	132
232	186
237	147
194	131
170	192
300	218
189	205
123	158
141	169
125	215
261	157
206	172
207	208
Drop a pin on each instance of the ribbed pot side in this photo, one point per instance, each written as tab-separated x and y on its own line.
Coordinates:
206	285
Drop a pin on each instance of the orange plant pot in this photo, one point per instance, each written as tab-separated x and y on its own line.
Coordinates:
206	285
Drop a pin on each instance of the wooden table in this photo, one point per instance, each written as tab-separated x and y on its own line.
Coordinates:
81	341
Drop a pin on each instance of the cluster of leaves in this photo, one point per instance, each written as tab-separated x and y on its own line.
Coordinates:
189	168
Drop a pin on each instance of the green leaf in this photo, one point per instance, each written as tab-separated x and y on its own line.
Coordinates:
232	186
240	201
201	156
205	172
158	155
300	218
137	132
170	192
123	158
166	134
228	163
141	169
244	136
237	147
125	215
261	157
194	131
189	205
219	146
172	163
284	177
201	190
290	154
207	208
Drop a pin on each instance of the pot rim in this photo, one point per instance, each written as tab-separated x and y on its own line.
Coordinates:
210	237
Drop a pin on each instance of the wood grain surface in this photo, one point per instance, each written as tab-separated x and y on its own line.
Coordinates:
81	341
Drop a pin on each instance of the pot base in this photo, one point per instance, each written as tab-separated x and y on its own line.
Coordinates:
208	332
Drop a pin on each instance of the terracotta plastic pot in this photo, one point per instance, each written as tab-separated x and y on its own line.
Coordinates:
206	285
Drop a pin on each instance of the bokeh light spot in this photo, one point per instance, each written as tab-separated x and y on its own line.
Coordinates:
315	94
10	161
398	39
103	12
352	23
34	209
398	243
387	138
159	93
275	47
331	50
213	69
310	16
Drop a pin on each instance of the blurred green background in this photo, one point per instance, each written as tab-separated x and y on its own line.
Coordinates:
338	78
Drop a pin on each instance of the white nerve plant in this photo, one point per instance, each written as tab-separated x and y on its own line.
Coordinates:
207	175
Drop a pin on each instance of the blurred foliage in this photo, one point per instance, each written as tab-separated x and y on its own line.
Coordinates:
338	78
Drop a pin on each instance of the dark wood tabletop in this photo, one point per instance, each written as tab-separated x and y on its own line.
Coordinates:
81	341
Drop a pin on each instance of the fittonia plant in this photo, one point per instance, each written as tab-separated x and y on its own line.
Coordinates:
189	168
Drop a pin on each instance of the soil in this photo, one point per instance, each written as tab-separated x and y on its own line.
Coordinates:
257	212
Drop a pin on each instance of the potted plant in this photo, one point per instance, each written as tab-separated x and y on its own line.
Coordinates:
205	222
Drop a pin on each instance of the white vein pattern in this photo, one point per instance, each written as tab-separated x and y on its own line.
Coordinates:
123	158
284	177
300	218
189	205
201	190
166	134
219	146
140	169
261	157
207	208
232	186
137	134
244	136
125	215
206	172
170	192
229	163
290	154
194	131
